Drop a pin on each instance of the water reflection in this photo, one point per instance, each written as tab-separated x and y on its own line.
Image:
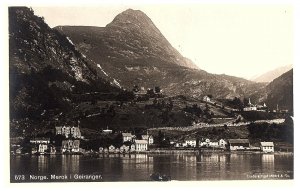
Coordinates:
43	164
135	167
70	164
268	162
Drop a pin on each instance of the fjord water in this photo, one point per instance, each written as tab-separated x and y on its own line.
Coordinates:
139	167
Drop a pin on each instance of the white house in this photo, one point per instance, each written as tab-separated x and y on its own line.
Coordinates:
206	143
191	142
124	149
141	145
262	107
267	147
70	146
213	144
180	144
105	150
149	138
222	143
127	137
43	148
111	148
132	148
117	150
41	145
206	98
52	149
251	107
75	146
68	131
34	150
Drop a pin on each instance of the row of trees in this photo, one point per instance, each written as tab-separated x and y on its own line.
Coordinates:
161	104
197	111
265	131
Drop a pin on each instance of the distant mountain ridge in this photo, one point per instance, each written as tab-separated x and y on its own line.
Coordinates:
271	75
133	51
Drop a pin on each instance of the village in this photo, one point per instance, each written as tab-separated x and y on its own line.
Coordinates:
72	137
68	139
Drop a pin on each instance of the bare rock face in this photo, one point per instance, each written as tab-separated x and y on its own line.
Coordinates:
132	50
137	30
46	70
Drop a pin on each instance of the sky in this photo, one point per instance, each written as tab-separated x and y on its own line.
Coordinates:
238	40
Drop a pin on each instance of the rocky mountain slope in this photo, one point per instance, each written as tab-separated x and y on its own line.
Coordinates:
72	73
134	52
271	75
280	91
46	70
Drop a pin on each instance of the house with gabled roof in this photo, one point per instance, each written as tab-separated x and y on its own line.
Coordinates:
192	142
127	137
141	145
267	147
149	138
238	144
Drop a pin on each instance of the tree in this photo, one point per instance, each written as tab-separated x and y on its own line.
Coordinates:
163	103
58	140
246	102
150	92
157	89
160	138
136	88
170	104
225	127
155	101
118	140
237	103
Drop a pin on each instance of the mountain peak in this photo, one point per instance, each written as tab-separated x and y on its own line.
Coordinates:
131	18
132	12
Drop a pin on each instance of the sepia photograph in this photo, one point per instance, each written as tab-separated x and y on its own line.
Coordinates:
150	92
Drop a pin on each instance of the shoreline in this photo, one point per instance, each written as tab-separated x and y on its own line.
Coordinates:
175	152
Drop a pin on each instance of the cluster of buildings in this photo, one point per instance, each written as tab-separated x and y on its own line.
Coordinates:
128	137
68	131
230	144
252	107
203	143
248	107
71	142
42	145
130	144
72	137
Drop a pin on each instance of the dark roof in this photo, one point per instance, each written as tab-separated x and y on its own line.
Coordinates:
238	141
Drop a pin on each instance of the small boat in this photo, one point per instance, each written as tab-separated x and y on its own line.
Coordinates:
159	177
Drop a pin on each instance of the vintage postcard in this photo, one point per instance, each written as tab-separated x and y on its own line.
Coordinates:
150	92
